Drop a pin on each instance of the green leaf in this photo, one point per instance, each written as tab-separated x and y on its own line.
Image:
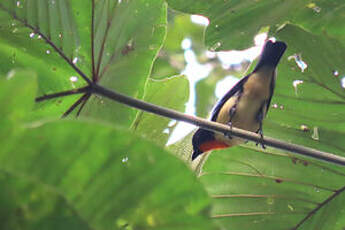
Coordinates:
128	36
172	93
109	176
17	91
323	219
271	189
78	174
27	204
318	102
267	190
26	27
234	23
56	39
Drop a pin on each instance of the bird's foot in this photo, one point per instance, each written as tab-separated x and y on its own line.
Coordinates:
227	134
262	138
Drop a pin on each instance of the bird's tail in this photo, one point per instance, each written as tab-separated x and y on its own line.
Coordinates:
271	54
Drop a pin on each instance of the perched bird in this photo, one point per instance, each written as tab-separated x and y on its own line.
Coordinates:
245	105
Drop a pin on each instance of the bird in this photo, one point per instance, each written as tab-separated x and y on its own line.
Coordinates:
245	105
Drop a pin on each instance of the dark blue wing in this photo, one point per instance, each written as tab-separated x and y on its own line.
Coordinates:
236	88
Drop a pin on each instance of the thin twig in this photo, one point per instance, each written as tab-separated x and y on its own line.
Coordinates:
62	94
70	109
83	104
216	127
92	40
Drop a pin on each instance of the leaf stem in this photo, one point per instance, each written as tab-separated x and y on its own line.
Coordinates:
93	41
216	127
75	105
62	94
310	214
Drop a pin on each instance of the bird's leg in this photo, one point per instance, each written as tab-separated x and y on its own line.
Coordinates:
231	114
259	118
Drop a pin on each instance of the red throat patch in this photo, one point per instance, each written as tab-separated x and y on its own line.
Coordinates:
209	145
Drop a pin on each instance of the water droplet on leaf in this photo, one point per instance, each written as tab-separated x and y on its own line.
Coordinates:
19	4
315	135
295	84
304	128
314	7
298	59
75	60
73	78
47	51
335	73
124	160
32	35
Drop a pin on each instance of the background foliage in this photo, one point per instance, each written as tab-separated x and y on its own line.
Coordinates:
109	169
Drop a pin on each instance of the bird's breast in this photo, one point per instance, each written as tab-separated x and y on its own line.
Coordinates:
256	92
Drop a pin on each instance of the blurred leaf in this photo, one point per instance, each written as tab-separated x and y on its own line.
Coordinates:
17	91
235	23
80	175
172	93
28	204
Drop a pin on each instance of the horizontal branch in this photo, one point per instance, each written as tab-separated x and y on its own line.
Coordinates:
216	127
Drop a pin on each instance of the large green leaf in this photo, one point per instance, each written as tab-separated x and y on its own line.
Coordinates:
318	102
24	26
128	35
235	22
81	175
268	190
255	189
172	93
56	38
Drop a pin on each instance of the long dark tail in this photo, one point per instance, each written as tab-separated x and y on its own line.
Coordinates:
200	136
271	54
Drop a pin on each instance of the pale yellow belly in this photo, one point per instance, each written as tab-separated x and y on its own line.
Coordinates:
256	92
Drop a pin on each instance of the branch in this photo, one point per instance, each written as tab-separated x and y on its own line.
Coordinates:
216	127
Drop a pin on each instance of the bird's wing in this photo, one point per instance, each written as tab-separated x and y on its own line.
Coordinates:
236	88
273	82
